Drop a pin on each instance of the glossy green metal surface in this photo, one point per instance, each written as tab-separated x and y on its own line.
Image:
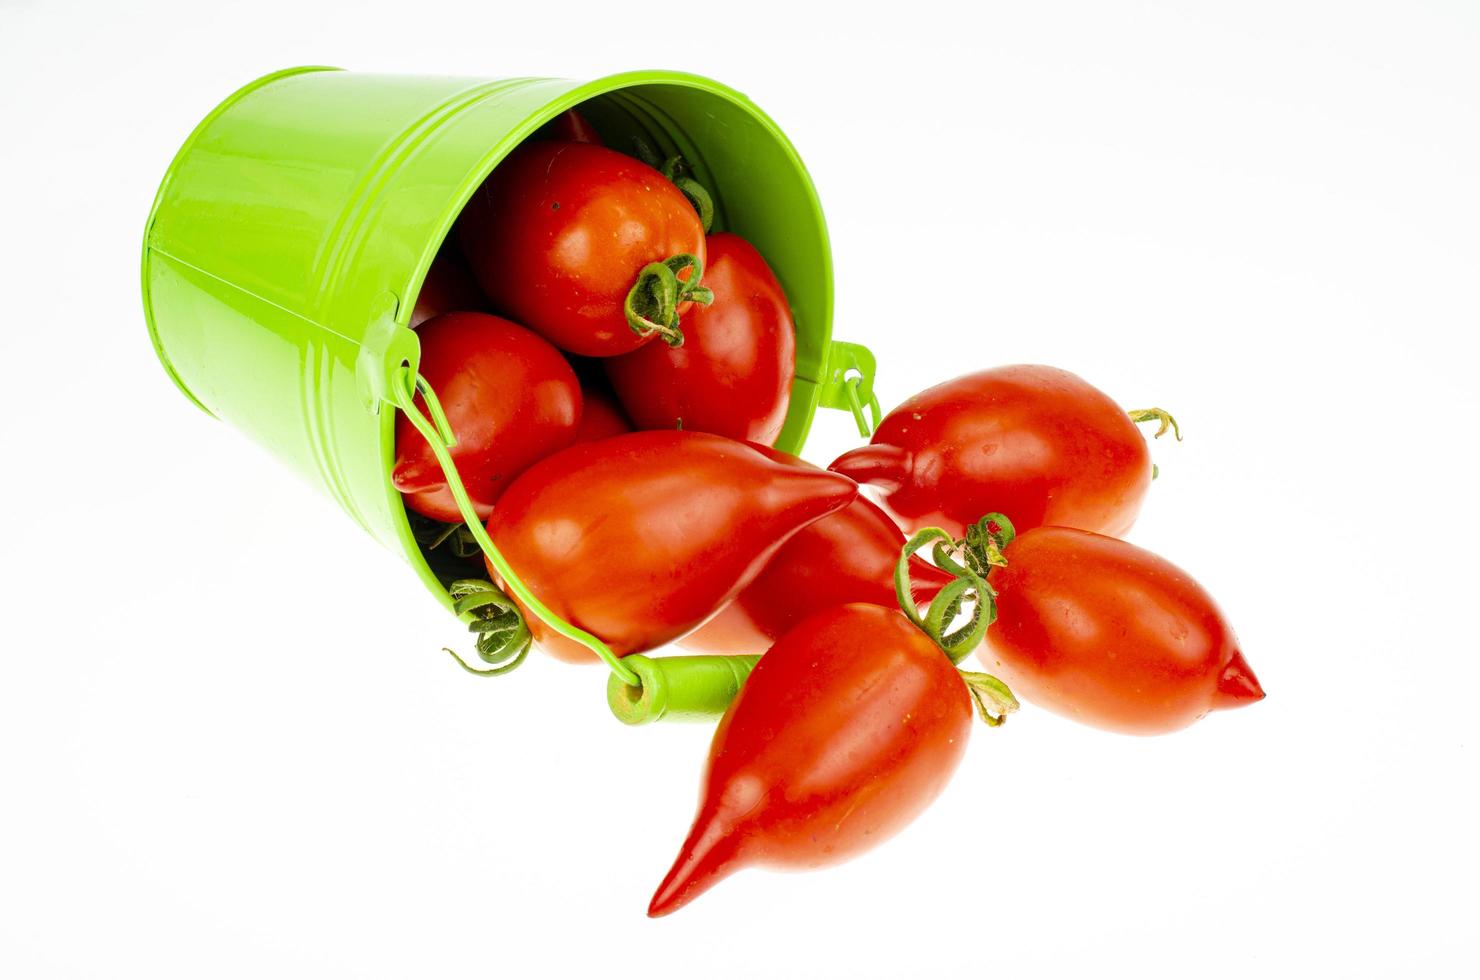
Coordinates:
292	231
687	688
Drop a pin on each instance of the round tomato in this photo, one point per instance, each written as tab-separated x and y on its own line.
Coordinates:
845	731
1111	635
510	399
732	375
1036	443
597	252
640	538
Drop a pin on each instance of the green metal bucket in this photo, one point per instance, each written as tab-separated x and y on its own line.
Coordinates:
291	234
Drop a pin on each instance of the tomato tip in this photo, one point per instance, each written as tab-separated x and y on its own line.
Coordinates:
1237	686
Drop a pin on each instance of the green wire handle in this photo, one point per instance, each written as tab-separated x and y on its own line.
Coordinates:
855	405
439	435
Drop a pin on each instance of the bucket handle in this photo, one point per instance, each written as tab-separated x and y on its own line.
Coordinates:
406	384
848	384
677	688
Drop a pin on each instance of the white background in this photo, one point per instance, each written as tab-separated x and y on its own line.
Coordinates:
229	746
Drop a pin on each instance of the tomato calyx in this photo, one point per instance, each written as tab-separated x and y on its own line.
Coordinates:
651	306
1161	416
503	635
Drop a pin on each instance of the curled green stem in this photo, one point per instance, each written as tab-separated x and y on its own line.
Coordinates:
651	306
985	541
969	559
1160	416
503	636
947	604
644	151
677	170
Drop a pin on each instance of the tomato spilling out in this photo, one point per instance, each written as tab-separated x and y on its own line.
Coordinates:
846	730
1111	635
510	399
732	375
595	251
694	530
848	556
639	538
1036	443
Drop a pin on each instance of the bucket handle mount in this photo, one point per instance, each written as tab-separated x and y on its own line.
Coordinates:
848	384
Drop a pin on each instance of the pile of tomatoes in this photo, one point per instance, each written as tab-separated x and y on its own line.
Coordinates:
613	423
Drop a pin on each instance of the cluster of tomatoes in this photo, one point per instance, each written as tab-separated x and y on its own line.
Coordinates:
613	429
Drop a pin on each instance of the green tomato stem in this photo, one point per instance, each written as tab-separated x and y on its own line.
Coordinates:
676	169
981	552
651	306
1158	415
985	542
503	635
945	607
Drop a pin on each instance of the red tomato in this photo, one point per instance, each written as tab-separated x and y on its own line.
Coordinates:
601	418
559	234
572	127
845	557
1111	635
846	730
509	397
1035	443
732	375
447	289
640	538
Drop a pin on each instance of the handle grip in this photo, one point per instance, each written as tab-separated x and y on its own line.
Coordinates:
696	688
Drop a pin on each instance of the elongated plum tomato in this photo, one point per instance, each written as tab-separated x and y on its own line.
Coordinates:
1035	443
1111	635
601	418
509	397
732	375
845	557
640	538
560	232
846	730
448	288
